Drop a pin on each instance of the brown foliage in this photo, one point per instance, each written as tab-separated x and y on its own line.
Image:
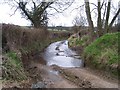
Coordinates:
16	37
59	34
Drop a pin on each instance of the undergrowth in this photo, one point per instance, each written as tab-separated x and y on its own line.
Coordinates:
12	67
75	41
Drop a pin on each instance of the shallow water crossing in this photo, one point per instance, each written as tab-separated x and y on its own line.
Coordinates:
60	54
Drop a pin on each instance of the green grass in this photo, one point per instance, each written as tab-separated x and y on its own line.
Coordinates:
103	52
13	68
14	59
78	41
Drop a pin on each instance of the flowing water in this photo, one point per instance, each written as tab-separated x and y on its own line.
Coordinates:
60	54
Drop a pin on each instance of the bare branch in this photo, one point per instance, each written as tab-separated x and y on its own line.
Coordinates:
34	4
14	12
55	9
77	8
94	4
93	10
102	5
110	25
61	5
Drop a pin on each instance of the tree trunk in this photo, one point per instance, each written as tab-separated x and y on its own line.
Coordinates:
99	23
107	16
114	18
103	20
90	22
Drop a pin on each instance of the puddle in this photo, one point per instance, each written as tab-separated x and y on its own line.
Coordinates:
53	72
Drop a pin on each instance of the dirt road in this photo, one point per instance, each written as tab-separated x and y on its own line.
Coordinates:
56	77
86	77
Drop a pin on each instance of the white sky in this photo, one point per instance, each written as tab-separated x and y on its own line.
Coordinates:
65	18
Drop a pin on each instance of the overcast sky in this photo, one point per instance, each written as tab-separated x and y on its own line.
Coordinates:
65	18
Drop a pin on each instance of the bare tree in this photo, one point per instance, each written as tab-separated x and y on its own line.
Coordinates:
79	21
36	10
33	10
90	22
107	27
102	20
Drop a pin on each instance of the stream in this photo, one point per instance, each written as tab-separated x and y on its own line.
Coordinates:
60	54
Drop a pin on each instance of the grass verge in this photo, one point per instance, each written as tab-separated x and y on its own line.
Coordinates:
103	53
12	67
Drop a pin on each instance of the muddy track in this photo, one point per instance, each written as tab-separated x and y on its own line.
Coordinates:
86	79
56	77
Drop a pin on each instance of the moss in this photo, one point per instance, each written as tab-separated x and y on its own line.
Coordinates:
103	52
